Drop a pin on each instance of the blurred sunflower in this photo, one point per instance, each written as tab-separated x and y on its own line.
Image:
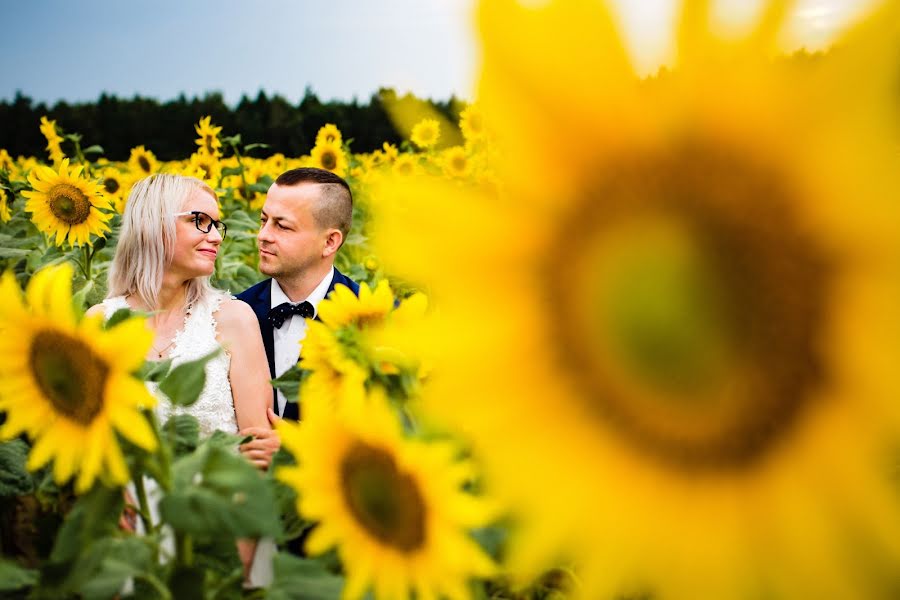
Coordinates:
406	164
683	313
329	156
116	186
209	137
142	162
425	133
6	162
65	205
48	128
5	215
455	162
205	166
329	134
471	123
394	508
68	384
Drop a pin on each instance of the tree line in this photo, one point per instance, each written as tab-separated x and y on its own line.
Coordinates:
167	128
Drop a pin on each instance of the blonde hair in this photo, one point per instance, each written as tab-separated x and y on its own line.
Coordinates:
147	239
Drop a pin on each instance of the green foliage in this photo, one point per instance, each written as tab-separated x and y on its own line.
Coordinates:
185	382
303	579
217	491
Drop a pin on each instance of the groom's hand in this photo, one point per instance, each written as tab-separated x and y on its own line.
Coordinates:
265	444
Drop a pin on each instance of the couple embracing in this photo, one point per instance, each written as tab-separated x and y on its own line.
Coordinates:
170	236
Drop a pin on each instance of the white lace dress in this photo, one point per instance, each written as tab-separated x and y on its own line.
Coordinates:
214	409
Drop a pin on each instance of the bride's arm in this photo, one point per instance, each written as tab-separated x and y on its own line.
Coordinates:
249	371
249	376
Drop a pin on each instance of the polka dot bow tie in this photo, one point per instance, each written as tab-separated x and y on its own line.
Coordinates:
278	315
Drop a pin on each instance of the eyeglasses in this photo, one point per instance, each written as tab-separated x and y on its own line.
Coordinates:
204	223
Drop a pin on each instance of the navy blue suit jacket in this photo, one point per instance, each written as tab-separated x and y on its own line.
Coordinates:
259	297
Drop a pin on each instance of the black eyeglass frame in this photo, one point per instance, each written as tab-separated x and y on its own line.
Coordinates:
220	226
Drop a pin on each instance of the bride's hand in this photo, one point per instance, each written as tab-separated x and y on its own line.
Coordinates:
265	444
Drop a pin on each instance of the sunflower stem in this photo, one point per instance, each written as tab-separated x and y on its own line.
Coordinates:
157	585
143	504
185	544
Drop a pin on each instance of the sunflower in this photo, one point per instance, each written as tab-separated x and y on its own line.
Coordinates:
406	164
683	313
455	162
209	136
65	205
68	384
142	162
335	361
471	123
329	134
6	162
116	186
425	133
5	215
48	128
205	166
329	156
394	507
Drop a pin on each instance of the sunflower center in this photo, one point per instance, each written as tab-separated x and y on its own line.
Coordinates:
69	204
144	163
111	185
383	499
695	333
70	375
329	160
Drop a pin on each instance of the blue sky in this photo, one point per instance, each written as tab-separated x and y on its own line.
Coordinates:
74	50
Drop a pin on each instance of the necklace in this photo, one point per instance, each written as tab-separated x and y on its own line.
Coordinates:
182	315
159	353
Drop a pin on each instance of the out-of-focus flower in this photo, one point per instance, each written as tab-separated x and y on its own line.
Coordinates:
682	314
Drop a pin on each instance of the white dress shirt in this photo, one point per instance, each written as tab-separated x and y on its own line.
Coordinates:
289	337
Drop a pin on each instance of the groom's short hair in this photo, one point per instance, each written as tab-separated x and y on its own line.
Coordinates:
335	206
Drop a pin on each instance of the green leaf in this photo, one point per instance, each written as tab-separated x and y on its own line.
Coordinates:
216	492
115	561
289	383
14	478
78	298
154	370
94	515
226	171
183	433
303	579
250	147
122	314
232	140
14	252
184	383
13	577
94	149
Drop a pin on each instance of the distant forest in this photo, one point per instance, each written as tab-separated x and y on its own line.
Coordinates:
167	128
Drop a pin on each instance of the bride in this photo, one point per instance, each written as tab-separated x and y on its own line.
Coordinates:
170	236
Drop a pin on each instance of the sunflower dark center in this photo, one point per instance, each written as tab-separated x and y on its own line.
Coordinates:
329	160
70	375
111	185
69	204
695	330
144	163
385	501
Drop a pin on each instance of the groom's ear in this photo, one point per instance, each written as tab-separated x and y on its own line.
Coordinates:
333	242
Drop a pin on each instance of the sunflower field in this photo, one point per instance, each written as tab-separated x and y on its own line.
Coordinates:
617	337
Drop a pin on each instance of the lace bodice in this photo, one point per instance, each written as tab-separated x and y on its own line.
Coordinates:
214	408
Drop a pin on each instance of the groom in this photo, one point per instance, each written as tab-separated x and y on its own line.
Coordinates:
304	221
